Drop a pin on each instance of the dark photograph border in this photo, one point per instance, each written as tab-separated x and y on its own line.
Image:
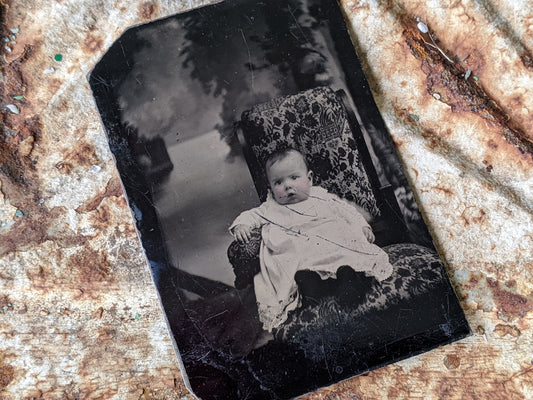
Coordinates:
194	107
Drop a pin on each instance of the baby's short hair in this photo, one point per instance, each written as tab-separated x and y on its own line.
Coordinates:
280	155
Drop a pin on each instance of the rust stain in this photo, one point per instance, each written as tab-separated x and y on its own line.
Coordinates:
113	189
19	136
106	333
7	373
54	84
511	305
106	351
473	215
91	265
511	283
450	82
435	140
488	166
92	44
473	281
101	217
16	128
33	228
492	144
87	268
451	361
63	105
527	60
453	384
98	313
502	330
147	10
82	155
446	191
165	394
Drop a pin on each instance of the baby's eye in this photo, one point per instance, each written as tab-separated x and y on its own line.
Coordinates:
294	177
277	182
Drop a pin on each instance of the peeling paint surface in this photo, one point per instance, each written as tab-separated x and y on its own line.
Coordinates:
79	314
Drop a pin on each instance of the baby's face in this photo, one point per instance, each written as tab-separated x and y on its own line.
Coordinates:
289	179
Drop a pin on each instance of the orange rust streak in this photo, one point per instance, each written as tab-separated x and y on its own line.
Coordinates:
113	188
509	303
450	82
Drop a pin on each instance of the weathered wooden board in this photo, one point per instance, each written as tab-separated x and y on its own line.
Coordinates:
79	315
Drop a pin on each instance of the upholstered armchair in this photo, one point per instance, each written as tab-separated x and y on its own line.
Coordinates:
322	126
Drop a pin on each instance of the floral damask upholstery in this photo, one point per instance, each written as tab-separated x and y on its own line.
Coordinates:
315	123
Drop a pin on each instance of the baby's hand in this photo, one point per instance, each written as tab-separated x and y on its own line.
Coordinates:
242	233
369	234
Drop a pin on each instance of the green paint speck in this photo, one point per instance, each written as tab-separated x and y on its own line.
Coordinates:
19	213
415	117
58	57
18	97
137	316
476	78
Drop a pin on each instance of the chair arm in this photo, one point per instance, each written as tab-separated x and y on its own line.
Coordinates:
244	258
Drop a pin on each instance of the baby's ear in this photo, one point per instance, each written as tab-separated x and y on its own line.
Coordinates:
310	176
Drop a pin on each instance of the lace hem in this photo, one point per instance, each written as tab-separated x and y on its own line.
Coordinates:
273	316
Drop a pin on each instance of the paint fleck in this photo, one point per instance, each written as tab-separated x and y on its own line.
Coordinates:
475	78
415	117
436	96
19	213
137	316
467	74
15	30
137	211
13	108
422	27
58	57
18	97
95	169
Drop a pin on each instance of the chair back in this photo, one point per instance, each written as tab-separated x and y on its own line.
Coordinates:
316	123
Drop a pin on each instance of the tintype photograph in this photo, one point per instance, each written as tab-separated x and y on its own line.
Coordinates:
284	239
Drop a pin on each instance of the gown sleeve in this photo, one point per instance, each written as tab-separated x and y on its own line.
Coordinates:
254	218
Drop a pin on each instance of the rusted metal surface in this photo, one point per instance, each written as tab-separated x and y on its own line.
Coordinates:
79	315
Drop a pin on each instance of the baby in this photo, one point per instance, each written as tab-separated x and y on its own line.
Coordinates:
303	227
